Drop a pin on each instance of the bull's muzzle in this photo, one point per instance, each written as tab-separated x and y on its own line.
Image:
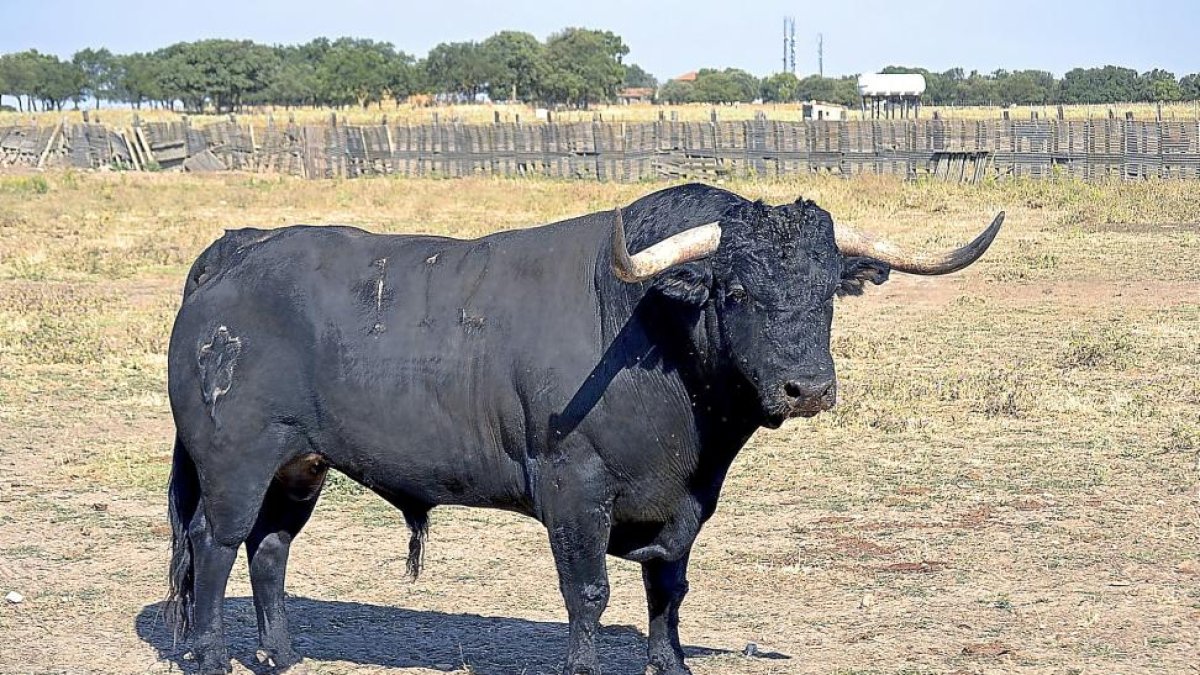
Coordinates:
808	396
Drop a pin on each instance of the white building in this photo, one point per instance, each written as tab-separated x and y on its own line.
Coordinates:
886	94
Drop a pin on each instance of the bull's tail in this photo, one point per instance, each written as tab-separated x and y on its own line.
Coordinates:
418	523
183	497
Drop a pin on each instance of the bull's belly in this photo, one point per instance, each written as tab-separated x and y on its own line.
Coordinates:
408	478
416	454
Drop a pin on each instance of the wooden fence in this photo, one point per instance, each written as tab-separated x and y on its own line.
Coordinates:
956	150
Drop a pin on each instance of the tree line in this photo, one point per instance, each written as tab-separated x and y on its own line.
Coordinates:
575	67
1109	84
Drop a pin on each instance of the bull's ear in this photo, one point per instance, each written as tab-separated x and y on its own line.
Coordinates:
686	283
856	271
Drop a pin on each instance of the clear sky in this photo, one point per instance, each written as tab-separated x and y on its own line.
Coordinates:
665	36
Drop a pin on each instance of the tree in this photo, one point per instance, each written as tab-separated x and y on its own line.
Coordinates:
780	88
1189	87
943	88
140	78
581	66
58	82
458	68
843	91
220	72
1109	84
403	77
22	72
99	68
40	77
574	67
1159	85
635	76
676	92
356	71
294	83
512	58
725	86
1025	87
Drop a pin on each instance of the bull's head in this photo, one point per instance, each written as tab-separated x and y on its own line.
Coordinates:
769	276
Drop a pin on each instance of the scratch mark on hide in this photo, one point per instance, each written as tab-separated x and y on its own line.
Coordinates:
379	327
217	360
472	323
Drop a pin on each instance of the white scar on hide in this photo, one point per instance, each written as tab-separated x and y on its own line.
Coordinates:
225	348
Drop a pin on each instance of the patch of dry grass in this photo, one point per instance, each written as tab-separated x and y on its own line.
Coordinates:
486	113
1009	482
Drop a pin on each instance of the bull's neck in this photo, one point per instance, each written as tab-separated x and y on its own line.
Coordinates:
682	344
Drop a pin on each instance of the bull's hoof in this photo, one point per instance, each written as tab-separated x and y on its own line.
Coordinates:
667	664
281	660
213	662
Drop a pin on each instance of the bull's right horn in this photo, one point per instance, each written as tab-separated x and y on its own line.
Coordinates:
851	241
691	244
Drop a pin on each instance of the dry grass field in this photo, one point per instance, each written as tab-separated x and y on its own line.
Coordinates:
486	113
1010	483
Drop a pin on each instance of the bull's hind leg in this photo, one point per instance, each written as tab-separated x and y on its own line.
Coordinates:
233	481
289	503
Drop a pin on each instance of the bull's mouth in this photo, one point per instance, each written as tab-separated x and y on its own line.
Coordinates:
784	412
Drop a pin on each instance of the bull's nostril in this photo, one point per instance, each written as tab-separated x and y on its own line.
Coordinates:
805	390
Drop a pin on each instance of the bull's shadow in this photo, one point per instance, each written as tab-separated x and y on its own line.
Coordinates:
402	638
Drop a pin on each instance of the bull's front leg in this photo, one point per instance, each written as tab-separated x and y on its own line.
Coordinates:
579	539
666	585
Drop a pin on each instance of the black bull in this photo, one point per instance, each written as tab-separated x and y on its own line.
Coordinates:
515	371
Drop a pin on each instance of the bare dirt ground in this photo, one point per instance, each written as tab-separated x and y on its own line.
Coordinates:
1009	484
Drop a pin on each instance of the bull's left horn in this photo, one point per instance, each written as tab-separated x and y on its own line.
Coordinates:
855	242
691	244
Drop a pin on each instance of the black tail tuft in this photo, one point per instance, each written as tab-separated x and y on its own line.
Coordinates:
183	497
418	522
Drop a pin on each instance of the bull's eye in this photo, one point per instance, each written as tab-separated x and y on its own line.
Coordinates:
737	292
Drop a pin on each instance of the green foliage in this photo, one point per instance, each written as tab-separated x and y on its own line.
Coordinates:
1109	84
842	90
582	66
676	92
512	59
635	76
100	72
458	68
780	88
40	78
575	67
724	86
1189	87
358	71
1159	85
220	72
1027	87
